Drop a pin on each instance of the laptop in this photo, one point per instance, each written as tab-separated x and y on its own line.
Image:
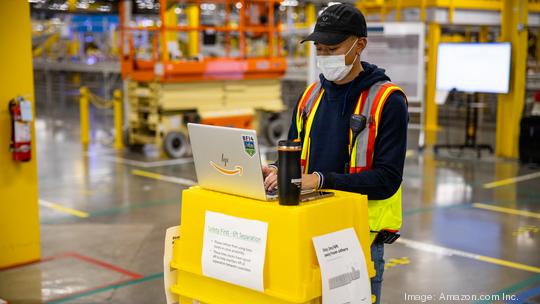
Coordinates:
228	160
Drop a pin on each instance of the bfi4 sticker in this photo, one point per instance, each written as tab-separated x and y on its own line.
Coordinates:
249	144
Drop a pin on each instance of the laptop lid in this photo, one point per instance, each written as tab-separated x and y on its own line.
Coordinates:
227	160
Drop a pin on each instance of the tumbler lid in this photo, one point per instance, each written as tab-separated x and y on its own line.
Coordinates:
289	145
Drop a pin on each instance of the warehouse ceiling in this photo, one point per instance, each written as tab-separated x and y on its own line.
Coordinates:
111	6
92	6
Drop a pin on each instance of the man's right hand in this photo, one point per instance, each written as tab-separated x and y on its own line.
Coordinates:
270	177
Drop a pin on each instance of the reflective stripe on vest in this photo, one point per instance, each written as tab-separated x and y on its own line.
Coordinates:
370	104
305	113
383	214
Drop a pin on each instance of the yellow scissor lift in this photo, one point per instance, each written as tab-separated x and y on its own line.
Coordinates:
170	82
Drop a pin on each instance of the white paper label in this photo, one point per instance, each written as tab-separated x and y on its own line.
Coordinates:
22	132
343	268
159	69
234	250
26	110
169	274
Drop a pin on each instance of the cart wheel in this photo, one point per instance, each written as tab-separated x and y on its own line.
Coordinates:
276	130
175	144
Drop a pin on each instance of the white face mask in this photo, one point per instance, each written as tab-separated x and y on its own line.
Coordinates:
333	67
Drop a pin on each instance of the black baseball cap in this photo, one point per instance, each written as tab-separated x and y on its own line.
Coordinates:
337	23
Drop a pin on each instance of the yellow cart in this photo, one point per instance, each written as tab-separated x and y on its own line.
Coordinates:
291	270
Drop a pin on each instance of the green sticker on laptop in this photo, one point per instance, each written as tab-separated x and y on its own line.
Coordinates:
249	144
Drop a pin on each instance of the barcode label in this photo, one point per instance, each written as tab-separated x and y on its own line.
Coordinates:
344	279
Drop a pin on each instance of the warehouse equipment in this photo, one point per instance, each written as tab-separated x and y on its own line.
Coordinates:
473	104
229	77
82	39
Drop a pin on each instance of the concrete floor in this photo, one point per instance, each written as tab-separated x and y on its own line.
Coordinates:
112	252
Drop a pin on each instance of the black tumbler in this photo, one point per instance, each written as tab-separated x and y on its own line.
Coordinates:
289	172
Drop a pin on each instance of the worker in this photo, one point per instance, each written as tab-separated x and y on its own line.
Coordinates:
330	114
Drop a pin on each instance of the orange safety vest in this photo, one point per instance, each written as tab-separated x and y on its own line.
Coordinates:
383	214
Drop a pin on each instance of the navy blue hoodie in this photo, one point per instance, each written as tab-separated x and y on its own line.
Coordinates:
330	138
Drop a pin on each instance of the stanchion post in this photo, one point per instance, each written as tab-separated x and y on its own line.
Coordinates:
118	123
84	100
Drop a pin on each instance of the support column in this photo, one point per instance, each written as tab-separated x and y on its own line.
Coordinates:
193	36
163	31
311	14
510	106
72	5
19	219
431	114
171	35
311	18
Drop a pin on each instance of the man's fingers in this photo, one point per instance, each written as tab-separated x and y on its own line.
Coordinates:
271	181
267	170
267	182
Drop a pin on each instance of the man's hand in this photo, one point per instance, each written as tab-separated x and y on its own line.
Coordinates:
310	181
270	177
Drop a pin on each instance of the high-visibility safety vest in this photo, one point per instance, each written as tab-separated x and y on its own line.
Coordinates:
383	214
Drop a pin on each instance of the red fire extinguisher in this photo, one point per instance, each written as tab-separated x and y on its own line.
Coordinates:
20	111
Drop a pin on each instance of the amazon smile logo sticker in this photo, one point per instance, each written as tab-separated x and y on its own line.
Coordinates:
237	169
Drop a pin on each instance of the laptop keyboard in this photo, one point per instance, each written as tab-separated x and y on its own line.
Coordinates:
273	192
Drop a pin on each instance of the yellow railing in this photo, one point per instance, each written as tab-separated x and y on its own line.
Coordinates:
85	99
46	46
382	7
